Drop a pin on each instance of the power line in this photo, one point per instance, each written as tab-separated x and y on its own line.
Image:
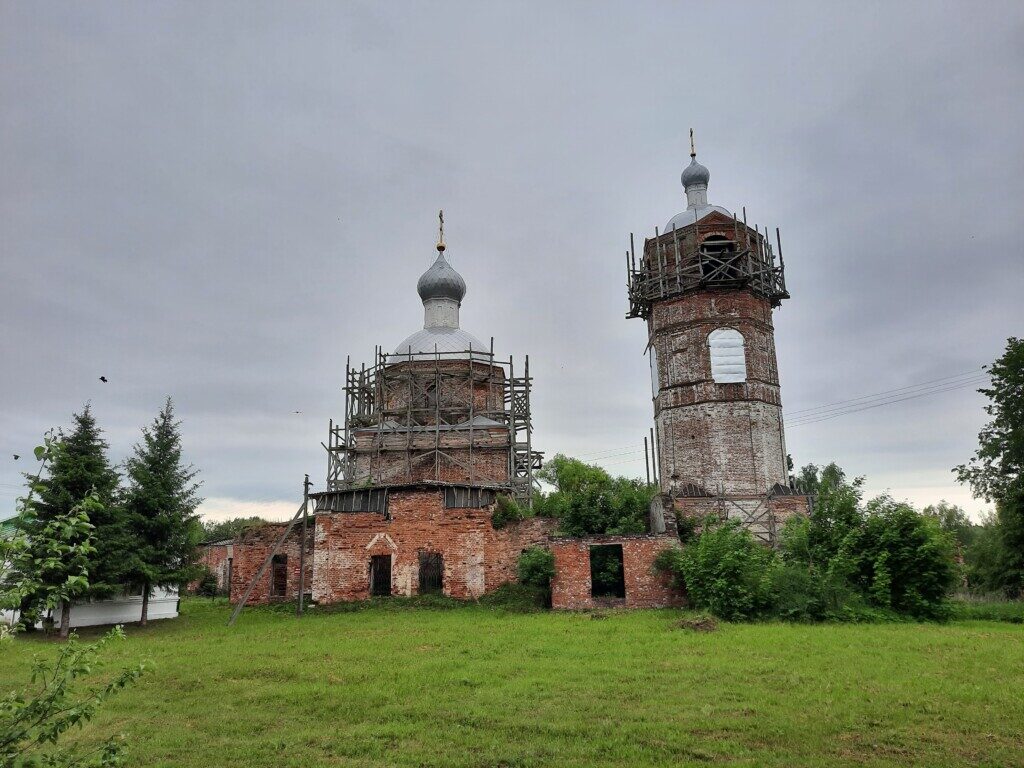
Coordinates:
923	384
814	419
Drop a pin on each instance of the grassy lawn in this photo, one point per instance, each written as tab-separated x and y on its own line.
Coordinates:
479	687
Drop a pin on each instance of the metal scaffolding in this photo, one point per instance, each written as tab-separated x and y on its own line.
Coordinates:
433	418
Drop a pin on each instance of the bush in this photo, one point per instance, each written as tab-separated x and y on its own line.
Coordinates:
900	560
725	571
537	567
207	586
507	510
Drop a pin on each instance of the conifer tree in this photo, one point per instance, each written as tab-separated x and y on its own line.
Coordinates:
79	481
161	499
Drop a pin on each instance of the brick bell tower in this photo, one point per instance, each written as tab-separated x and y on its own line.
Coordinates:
707	286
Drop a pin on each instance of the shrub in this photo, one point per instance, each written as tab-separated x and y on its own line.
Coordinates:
900	560
507	510
207	586
725	571
537	567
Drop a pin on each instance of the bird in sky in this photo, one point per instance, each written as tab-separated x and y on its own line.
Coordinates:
16	457
103	379
296	411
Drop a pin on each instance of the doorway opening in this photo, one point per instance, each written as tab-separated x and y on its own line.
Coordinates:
279	576
606	573
380	575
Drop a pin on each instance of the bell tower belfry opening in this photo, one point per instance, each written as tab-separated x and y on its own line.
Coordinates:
707	286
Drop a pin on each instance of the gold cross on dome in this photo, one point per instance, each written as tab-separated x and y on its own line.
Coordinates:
440	236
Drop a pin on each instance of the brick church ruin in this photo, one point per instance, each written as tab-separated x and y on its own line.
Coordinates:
437	431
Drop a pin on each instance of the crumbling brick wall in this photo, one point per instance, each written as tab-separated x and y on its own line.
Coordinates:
476	557
763	516
250	550
713	435
218	559
644	588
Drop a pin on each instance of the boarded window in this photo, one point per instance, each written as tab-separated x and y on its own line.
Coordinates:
606	573
380	575
279	576
363	500
728	359
431	573
456	497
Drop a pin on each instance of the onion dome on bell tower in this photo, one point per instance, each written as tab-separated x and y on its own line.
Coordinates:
441	289
695	178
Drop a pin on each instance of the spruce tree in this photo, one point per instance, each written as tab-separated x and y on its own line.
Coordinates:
161	499
80	479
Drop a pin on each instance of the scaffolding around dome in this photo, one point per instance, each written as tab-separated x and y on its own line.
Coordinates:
453	418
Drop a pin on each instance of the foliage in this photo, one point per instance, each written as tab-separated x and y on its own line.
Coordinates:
725	571
79	469
811	478
49	561
588	500
207	586
536	567
952	519
33	720
215	530
998	465
996	472
160	501
46	561
507	511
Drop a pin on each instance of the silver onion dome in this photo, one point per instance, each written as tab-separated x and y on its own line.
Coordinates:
695	173
441	281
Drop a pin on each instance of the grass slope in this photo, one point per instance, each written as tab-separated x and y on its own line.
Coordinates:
478	687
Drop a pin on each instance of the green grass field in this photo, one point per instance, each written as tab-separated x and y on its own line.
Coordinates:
475	686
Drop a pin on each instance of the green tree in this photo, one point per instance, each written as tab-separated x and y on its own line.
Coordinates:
952	519
590	501
79	469
47	559
161	500
996	472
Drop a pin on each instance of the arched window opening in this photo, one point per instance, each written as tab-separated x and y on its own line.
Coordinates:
718	259
728	359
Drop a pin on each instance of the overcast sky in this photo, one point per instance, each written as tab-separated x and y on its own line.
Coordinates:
221	201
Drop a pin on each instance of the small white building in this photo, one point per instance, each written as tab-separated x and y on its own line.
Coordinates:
127	609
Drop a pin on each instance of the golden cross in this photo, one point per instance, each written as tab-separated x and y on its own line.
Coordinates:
693	152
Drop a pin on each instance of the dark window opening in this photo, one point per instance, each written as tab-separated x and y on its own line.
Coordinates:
380	575
719	260
431	573
231	566
465	498
279	576
606	572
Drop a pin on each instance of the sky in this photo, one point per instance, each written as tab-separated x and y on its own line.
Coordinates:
222	202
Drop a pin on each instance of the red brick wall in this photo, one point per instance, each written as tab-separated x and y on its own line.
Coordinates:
644	587
477	558
215	557
250	550
781	507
